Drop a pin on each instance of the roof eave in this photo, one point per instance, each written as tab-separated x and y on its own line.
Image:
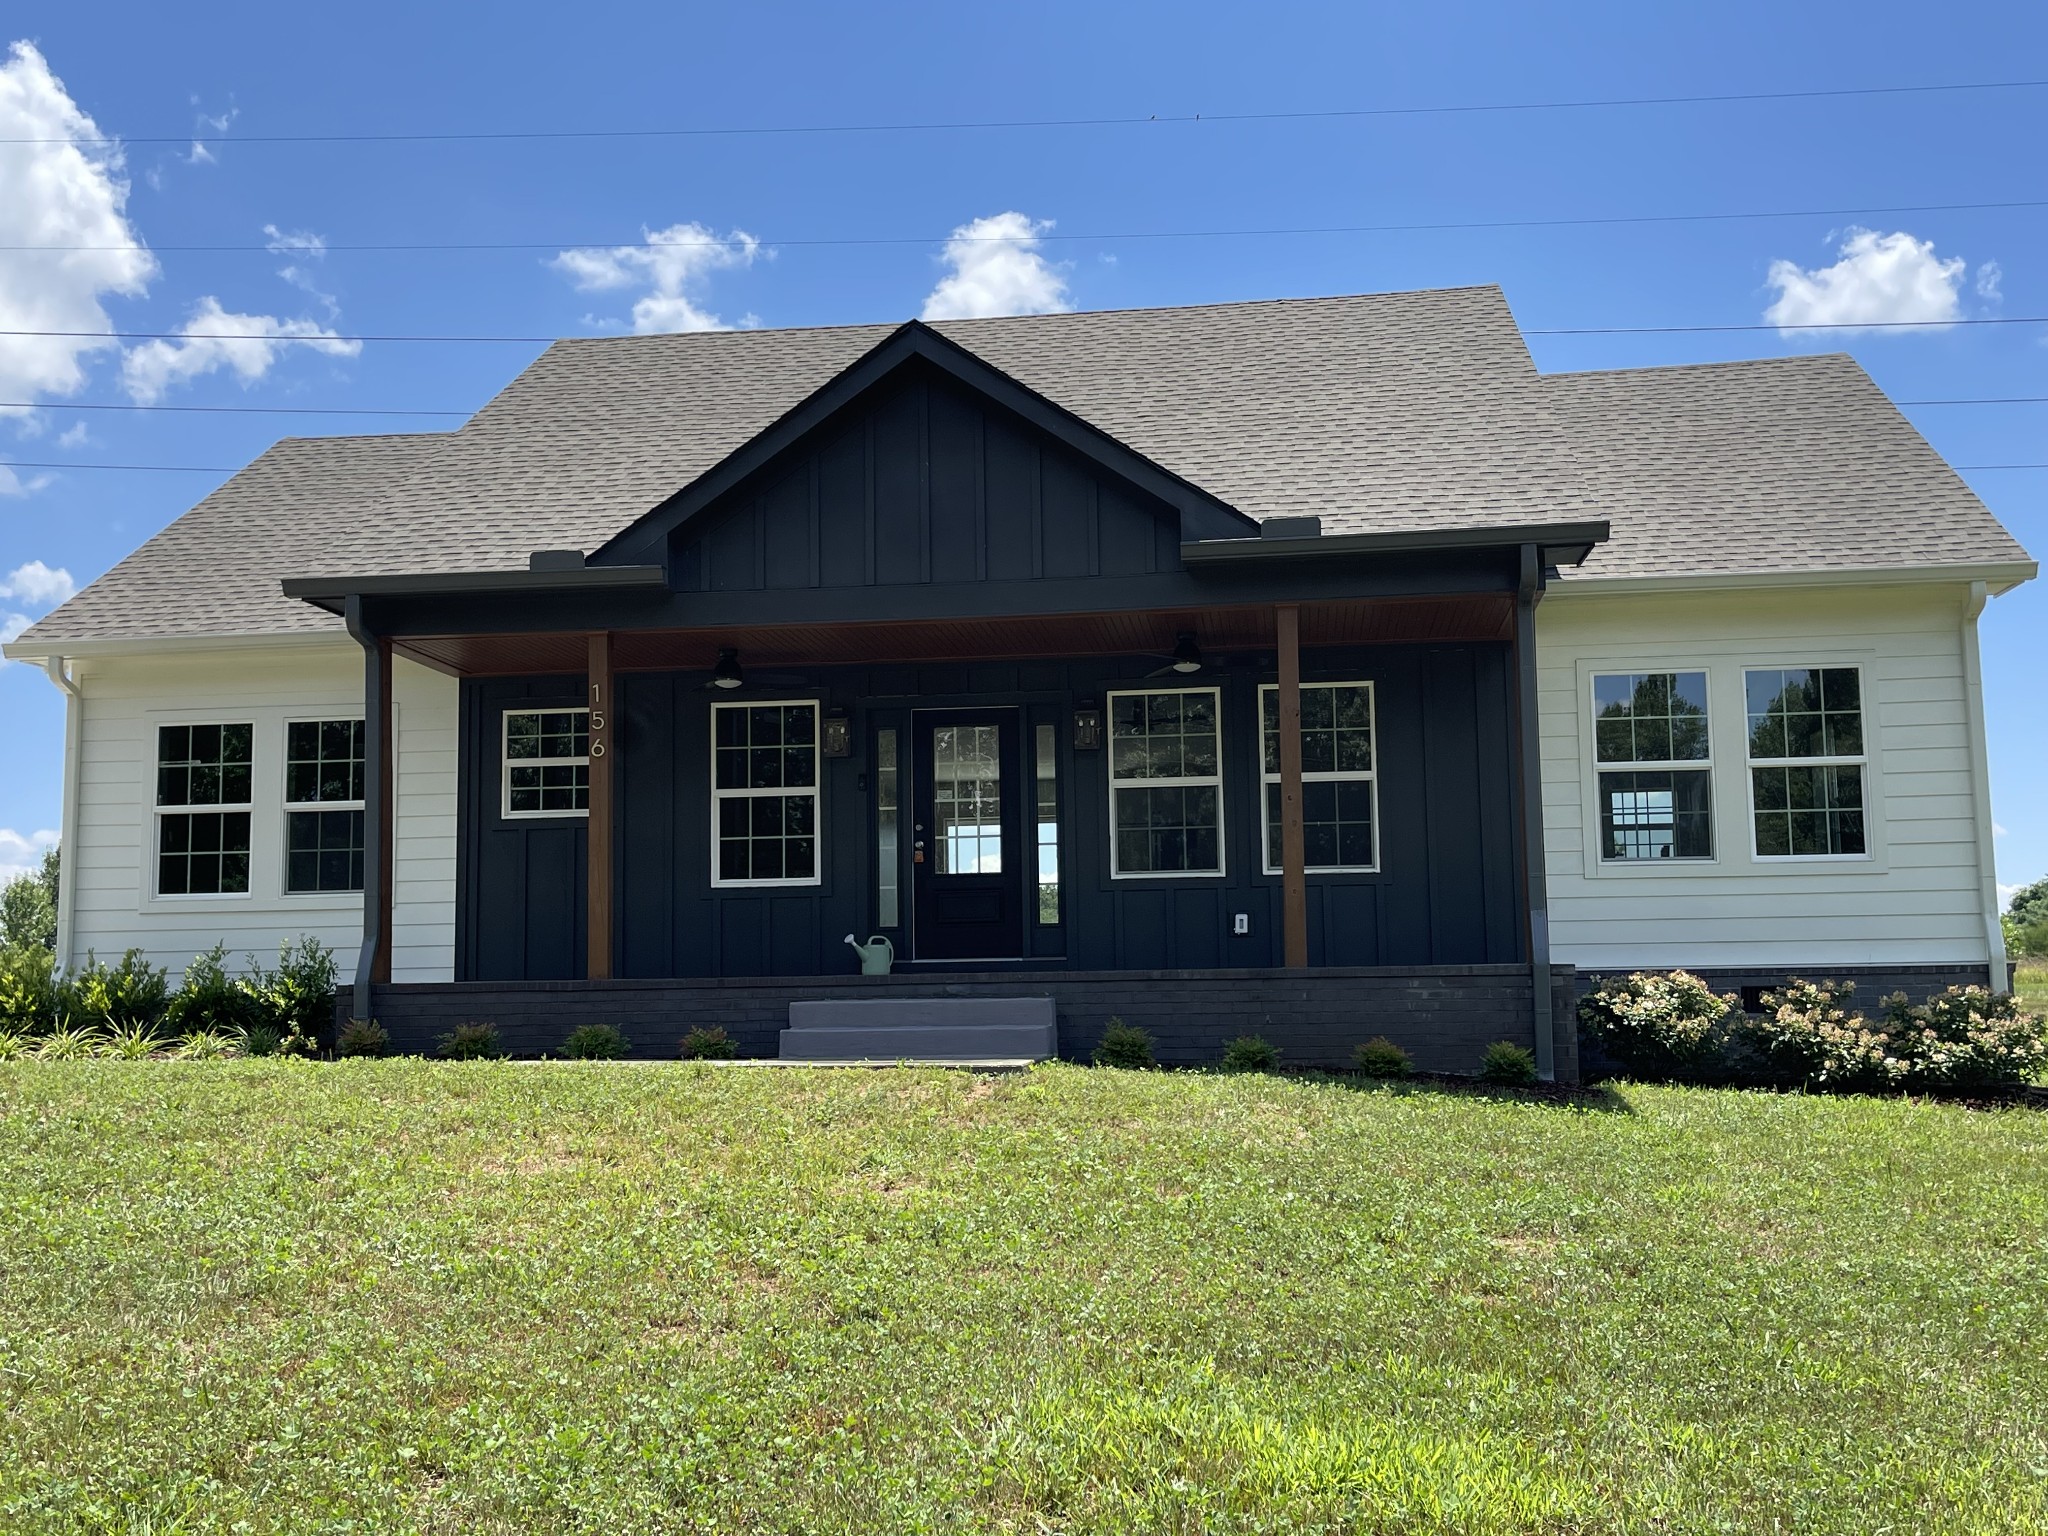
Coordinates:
1999	576
1561	543
332	592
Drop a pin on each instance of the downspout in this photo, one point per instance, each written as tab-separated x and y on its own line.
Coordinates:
67	813
1980	786
1528	740
373	806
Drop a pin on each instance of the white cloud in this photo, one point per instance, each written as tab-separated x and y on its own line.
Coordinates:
214	122
38	584
308	249
67	191
74	436
214	339
674	266
1997	830
11	483
1878	278
11	626
1989	276
2006	894
21	853
998	270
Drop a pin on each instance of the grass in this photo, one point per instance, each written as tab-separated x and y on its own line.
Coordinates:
2031	982
399	1296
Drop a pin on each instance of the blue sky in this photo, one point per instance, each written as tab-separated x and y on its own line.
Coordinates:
236	74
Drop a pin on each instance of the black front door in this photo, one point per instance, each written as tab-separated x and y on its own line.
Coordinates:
967	861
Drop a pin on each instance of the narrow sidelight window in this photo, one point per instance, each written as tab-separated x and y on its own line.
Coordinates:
1165	783
764	793
1653	753
203	788
888	831
323	805
1807	757
1047	759
1339	809
547	762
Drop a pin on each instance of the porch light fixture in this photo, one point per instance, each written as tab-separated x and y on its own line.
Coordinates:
837	737
1087	727
727	673
1187	656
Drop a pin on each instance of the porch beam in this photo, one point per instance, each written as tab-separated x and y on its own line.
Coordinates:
598	859
1529	784
1293	841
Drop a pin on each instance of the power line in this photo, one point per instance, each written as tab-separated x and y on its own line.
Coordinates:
223	410
221	469
1580	330
1276	232
979	125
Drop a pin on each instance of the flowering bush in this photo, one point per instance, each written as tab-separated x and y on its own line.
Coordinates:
1659	1025
1964	1037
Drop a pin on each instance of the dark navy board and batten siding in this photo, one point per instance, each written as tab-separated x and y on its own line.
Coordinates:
923	483
1444	894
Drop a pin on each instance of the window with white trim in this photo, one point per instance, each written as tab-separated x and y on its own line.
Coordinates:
1652	756
1339	792
204	784
323	805
1807	760
764	793
1165	782
547	762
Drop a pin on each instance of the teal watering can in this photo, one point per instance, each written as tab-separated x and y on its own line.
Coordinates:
876	956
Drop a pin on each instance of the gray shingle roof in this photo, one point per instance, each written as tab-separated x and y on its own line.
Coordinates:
1382	412
1785	464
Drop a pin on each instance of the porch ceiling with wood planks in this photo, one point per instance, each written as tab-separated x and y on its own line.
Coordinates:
1357	621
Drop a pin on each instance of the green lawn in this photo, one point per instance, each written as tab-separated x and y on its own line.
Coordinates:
403	1296
2032	984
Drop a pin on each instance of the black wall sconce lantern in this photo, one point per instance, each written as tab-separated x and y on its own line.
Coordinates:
1087	727
838	738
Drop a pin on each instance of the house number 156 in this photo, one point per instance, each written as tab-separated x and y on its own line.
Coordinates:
597	736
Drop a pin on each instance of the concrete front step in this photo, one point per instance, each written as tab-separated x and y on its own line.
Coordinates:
928	1029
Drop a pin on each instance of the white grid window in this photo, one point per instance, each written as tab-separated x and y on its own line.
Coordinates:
1652	754
1339	788
1165	783
764	793
547	762
323	805
1807	761
204	785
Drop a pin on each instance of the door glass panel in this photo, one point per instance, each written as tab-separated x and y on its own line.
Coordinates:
888	907
967	782
1048	828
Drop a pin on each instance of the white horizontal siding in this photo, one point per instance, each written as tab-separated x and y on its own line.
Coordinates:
1917	900
110	865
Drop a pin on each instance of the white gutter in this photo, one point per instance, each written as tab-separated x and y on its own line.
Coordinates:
1980	783
30	649
67	813
1998	577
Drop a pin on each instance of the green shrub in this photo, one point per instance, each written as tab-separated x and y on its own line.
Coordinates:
1250	1053
1660	1025
259	1040
1972	1038
1507	1064
131	1042
28	907
1806	1035
15	1047
297	997
2028	941
210	1000
131	993
1124	1045
206	1045
595	1042
68	1044
31	993
709	1043
1380	1057
362	1037
471	1042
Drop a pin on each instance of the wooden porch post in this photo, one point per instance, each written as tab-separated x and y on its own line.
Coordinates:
1293	853
386	754
1529	794
598	964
